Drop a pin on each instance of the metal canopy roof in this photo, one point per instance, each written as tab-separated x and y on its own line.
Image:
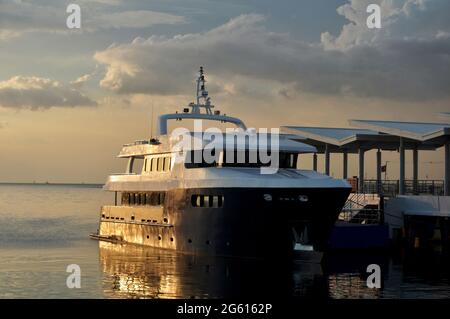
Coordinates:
331	135
429	133
350	139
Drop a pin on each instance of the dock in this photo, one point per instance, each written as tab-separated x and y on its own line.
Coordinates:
380	212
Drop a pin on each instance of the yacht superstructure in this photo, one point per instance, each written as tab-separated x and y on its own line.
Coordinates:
179	201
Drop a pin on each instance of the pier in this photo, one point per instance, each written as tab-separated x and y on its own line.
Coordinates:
379	211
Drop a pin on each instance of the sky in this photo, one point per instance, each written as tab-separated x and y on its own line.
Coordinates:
69	98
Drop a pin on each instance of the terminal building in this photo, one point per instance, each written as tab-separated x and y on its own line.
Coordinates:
382	136
414	210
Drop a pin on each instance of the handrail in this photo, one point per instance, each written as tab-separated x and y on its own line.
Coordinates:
162	128
391	187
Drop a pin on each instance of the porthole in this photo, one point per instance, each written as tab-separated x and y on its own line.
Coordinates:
159	237
148	236
189	241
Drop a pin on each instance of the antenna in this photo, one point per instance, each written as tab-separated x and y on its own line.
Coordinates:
151	123
202	98
194	109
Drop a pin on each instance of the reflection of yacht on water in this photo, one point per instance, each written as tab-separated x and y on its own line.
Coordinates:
136	271
219	207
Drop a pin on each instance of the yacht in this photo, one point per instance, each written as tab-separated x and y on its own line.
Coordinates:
168	198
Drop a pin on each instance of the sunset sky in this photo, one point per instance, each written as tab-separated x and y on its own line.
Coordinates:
70	98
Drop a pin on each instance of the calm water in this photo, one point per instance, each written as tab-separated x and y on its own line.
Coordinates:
44	228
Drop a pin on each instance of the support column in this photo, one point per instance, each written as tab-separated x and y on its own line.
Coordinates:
345	165
415	169
401	187
361	170
379	171
327	160
315	162
447	169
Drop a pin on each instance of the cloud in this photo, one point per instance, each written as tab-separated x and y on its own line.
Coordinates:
39	93
20	17
391	64
412	19
108	2
79	82
8	34
133	19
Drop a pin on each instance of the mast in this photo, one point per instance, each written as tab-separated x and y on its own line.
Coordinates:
202	96
194	110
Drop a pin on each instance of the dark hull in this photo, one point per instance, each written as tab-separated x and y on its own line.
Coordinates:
249	223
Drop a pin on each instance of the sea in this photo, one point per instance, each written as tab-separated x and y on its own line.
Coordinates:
44	234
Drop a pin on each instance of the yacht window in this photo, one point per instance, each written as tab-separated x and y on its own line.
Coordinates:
154	199
286	160
206	202
214	201
166	164
199	201
137	199
242	159
145	165
191	157
159	164
125	198
162	197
